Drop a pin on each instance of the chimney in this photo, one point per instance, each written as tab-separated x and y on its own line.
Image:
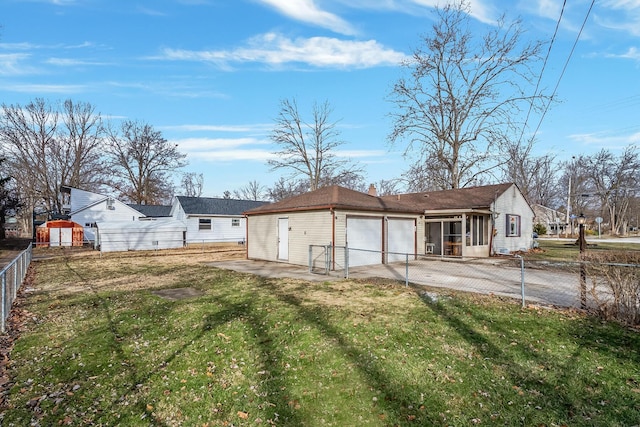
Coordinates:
372	190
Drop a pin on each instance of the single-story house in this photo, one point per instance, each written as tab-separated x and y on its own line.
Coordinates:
554	221
477	222
211	219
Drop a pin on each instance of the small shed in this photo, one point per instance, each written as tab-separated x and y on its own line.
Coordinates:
141	235
59	233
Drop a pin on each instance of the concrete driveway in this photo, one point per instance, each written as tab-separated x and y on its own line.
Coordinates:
491	276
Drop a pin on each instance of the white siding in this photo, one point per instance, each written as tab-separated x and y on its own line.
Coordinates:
305	228
222	229
511	202
140	235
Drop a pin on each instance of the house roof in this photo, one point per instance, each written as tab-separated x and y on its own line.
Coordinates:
152	211
216	206
344	198
460	198
334	197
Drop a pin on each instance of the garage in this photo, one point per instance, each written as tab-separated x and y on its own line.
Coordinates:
364	239
401	238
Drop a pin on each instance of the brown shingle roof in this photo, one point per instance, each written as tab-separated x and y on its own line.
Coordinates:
461	198
335	197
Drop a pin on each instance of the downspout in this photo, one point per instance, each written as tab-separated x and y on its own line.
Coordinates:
333	238
246	240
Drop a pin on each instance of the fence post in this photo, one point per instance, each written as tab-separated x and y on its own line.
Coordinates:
406	270
310	257
346	261
4	301
522	279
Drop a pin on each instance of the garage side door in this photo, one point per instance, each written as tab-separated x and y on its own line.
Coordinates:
364	233
401	236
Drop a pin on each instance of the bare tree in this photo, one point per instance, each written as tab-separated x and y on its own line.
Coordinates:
142	162
536	176
252	191
387	187
29	139
462	94
192	184
616	182
285	188
9	198
82	140
308	149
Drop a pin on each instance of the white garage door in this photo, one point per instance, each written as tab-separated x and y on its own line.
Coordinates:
364	235
401	238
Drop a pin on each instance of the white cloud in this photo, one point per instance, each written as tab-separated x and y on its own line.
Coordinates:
480	9
200	145
361	153
274	49
222	128
11	64
621	15
606	140
631	53
67	62
307	11
234	155
41	88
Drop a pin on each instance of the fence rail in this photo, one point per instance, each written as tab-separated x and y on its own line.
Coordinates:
11	278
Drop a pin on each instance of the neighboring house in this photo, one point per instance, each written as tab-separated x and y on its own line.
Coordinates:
211	219
477	221
553	220
88	208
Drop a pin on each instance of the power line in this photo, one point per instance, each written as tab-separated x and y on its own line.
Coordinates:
566	64
544	66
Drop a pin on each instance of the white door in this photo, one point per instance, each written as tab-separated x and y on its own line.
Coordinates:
401	238
66	236
364	239
283	239
54	237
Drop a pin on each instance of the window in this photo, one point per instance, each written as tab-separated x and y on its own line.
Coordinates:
204	224
513	226
235	222
477	230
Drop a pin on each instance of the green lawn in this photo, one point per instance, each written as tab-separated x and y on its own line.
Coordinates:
566	251
101	349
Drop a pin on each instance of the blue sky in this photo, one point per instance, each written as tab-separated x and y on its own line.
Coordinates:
209	74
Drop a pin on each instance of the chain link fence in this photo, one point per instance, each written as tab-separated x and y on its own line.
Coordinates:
611	289
11	278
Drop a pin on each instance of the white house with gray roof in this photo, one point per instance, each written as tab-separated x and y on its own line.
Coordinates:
211	219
